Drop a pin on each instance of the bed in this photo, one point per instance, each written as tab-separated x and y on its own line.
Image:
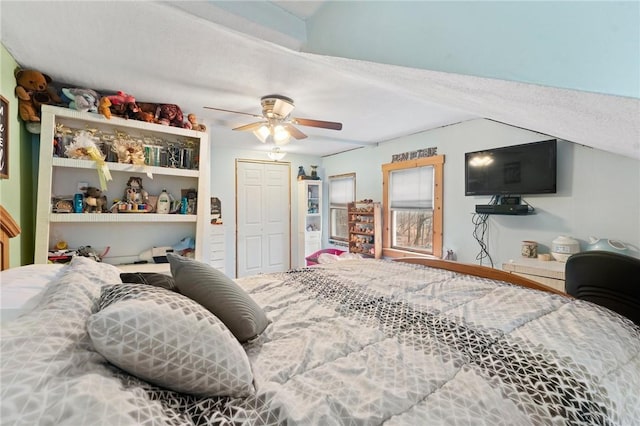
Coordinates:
9	228
347	342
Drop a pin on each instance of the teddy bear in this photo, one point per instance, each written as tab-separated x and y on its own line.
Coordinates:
94	200
33	91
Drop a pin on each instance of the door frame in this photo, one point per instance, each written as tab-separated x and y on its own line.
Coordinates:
269	162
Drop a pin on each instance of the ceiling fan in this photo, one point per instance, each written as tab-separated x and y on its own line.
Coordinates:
276	124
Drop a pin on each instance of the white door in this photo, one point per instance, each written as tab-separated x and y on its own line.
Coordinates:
263	217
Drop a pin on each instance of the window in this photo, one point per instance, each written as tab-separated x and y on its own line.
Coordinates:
342	190
412	202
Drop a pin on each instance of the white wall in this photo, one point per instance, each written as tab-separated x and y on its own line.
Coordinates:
223	186
598	192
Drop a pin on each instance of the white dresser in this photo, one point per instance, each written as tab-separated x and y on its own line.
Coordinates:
550	273
217	247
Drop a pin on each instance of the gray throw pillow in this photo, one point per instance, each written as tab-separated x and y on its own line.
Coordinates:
168	339
220	295
149	278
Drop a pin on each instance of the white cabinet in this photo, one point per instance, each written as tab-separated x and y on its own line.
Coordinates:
309	218
550	273
125	234
216	247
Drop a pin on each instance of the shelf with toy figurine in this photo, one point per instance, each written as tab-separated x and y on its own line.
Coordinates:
365	228
62	179
370	232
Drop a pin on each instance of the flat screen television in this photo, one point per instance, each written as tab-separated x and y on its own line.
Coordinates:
512	170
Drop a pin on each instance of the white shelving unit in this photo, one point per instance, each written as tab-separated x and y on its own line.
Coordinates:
309	218
126	234
365	229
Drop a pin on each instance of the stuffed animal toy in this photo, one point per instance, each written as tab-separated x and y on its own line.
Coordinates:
192	120
123	105
134	192
94	200
121	98
33	91
128	110
166	114
144	116
85	100
103	107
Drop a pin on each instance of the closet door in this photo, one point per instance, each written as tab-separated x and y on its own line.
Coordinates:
263	194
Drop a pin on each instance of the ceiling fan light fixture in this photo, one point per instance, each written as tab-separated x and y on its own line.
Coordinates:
276	125
262	133
280	135
275	154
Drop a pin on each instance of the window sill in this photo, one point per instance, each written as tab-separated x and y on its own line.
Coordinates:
339	243
395	253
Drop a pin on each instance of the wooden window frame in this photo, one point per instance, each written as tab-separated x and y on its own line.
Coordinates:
437	162
341	176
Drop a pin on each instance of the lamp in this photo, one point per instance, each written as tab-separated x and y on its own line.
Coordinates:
262	133
269	132
280	135
275	154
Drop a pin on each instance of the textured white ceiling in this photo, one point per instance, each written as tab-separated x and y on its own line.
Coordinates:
196	54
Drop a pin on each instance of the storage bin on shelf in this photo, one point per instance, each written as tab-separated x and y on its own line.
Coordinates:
312	259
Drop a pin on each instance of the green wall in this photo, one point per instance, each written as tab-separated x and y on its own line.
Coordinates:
17	193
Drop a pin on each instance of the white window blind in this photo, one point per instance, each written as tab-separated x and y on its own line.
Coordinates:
411	188
341	191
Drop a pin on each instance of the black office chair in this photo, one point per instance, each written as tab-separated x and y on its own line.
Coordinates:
608	279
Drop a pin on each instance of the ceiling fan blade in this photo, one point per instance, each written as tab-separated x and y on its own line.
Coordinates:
297	134
250	127
235	112
317	123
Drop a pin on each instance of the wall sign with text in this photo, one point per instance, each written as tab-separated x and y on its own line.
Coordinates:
412	155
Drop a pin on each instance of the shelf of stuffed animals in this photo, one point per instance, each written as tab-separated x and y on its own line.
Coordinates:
81	120
365	228
127	233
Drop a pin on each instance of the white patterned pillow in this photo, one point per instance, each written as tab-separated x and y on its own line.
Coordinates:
169	340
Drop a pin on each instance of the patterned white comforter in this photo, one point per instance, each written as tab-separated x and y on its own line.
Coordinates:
359	342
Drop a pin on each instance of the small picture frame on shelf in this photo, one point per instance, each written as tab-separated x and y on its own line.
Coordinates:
216	210
62	204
